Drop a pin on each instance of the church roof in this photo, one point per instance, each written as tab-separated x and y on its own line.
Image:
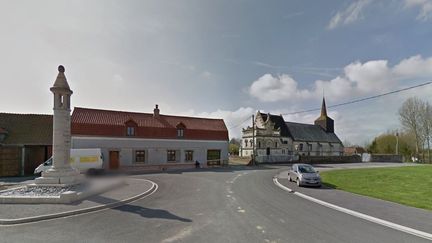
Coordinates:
279	124
310	133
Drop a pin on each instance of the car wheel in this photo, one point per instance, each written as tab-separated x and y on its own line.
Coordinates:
91	172
298	182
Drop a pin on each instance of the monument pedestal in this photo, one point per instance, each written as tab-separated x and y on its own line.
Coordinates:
60	176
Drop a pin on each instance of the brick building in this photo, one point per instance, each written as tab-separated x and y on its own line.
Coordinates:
25	142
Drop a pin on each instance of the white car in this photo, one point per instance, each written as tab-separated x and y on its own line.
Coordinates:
85	160
304	175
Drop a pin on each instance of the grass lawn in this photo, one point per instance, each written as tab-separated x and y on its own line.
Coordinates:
411	185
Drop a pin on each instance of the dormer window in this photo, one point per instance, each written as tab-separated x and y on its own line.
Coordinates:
131	128
130	131
180	132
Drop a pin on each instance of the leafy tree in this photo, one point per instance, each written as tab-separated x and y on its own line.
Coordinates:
386	144
234	146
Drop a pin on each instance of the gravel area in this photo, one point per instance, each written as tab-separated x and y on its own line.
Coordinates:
40	191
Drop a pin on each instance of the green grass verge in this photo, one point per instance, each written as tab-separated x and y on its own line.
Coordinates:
411	185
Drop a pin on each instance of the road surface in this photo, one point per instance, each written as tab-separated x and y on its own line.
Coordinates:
219	205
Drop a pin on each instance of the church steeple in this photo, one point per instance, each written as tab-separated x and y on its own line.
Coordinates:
324	121
323	108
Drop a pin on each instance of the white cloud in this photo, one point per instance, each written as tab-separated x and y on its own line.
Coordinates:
234	120
349	15
425	8
274	88
357	79
369	76
414	66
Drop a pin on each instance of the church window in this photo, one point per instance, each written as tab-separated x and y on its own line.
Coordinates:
246	143
276	144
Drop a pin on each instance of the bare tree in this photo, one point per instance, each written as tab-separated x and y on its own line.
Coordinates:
410	115
426	125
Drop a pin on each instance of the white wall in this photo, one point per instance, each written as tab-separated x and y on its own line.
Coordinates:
156	149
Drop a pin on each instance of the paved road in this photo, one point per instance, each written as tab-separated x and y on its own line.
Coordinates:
211	206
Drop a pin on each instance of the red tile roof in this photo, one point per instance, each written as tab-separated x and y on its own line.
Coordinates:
96	122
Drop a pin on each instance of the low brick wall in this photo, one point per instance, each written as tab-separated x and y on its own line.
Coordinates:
330	159
385	158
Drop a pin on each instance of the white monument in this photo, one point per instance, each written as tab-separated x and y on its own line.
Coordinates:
61	173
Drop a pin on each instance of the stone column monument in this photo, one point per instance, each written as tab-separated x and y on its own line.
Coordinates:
61	173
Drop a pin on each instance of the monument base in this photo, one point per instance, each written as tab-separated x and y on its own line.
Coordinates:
60	176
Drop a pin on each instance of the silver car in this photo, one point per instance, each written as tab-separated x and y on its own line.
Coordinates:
304	175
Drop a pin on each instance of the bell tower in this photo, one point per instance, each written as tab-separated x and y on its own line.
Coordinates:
324	121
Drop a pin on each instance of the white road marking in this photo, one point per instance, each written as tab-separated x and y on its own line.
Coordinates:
180	235
389	224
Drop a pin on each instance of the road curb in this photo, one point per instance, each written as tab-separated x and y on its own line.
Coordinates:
369	218
6	222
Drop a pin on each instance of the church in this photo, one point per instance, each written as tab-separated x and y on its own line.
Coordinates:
276	140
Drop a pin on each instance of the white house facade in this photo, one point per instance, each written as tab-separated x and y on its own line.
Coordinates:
128	139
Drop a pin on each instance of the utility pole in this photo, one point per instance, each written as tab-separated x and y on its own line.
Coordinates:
253	140
397	143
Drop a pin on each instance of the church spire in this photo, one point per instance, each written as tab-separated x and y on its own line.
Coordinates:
324	121
323	108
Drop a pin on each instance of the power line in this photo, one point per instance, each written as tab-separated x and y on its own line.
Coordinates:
239	123
362	99
348	102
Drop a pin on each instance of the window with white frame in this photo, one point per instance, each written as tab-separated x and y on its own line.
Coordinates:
180	132
130	131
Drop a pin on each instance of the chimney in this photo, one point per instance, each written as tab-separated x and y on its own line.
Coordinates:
156	111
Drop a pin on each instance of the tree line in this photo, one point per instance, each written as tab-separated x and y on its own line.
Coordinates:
413	141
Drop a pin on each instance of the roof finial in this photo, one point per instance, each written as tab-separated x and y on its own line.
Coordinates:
61	69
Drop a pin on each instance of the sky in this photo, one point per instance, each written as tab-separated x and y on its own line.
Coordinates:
221	59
